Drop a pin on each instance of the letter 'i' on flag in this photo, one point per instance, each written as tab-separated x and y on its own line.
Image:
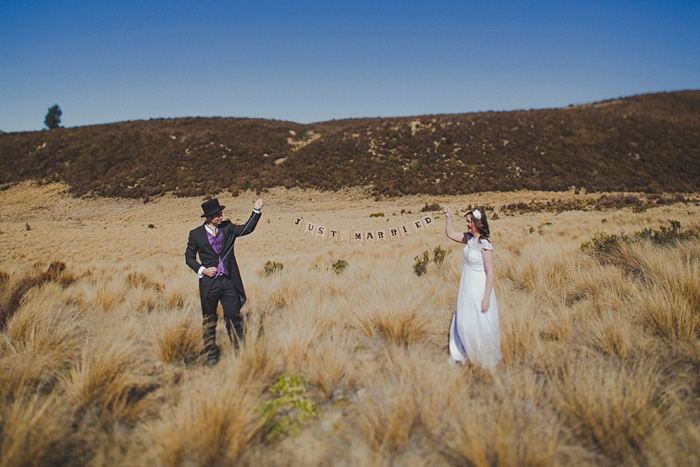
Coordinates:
404	230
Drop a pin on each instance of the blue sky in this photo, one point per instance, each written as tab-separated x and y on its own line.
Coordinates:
313	61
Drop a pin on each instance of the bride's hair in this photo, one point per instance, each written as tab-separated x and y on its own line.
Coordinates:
481	223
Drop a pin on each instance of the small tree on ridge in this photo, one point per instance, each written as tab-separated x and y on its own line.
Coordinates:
53	117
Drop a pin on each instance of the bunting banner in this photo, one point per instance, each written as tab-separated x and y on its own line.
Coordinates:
362	236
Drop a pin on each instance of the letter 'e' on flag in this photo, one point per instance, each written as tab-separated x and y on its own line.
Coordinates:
418	225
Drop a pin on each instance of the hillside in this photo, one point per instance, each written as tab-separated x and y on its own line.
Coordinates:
645	143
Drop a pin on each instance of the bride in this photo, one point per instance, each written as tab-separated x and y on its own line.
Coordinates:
475	331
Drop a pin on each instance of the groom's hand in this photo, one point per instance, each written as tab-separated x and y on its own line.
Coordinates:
209	272
258	204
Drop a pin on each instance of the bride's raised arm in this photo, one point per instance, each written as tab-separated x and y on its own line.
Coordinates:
451	233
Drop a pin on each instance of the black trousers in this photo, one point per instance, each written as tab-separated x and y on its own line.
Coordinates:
225	292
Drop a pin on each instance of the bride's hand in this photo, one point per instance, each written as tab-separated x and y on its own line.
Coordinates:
485	303
446	211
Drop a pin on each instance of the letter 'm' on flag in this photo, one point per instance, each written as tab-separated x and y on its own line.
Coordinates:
357	237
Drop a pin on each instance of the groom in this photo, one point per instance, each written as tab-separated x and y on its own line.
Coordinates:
219	277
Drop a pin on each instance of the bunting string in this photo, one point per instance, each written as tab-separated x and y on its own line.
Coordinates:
353	236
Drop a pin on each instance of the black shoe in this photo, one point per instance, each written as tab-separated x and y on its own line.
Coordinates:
212	360
213	356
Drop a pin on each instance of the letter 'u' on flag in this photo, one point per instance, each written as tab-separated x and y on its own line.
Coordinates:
309	228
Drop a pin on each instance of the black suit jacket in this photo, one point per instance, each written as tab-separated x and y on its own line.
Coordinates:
198	244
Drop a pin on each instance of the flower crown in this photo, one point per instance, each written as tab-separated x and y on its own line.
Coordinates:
476	214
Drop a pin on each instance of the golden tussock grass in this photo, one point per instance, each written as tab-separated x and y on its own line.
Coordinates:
179	340
620	408
34	430
210	424
109	381
100	361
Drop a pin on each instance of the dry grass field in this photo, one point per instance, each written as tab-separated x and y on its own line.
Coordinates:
100	338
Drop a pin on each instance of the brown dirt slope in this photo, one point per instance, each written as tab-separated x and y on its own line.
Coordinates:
648	143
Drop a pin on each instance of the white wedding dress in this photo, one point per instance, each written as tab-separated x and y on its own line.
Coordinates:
473	334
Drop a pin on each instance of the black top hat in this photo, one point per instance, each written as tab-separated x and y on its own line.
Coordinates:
211	207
